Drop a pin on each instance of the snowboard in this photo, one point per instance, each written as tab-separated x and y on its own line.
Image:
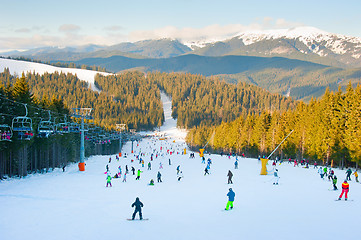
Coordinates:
144	219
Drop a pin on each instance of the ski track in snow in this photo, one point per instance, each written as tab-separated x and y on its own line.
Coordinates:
18	67
77	205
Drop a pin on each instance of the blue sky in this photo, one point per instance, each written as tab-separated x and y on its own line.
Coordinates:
35	23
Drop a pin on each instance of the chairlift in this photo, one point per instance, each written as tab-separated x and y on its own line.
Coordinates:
46	128
74	127
23	126
6	132
63	127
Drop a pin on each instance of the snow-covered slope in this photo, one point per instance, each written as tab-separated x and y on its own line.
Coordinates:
76	205
18	67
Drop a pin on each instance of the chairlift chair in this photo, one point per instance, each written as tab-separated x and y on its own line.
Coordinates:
23	127
6	132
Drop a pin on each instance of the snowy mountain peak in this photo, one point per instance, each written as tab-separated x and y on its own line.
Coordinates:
317	41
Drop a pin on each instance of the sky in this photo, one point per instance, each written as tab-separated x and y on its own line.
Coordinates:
26	24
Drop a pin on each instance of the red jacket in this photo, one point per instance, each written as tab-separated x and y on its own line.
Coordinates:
345	186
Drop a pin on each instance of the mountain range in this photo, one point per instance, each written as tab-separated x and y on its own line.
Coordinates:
288	61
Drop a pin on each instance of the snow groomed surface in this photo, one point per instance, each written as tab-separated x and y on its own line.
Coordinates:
77	205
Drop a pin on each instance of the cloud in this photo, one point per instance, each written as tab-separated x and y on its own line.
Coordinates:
210	32
22	30
70	34
69	28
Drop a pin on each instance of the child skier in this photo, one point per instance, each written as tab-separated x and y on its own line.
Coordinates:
345	189
109	180
231	196
206	171
236	164
125	177
334	181
149	166
320	172
276	177
138	208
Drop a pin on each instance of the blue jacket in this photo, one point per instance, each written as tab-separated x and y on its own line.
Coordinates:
231	195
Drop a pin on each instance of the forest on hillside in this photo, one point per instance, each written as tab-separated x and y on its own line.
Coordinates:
327	130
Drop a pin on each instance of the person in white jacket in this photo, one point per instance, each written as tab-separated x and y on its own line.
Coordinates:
276	177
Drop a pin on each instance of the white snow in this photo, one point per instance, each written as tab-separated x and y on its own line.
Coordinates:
18	67
77	205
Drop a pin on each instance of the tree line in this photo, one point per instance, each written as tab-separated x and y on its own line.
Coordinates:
326	130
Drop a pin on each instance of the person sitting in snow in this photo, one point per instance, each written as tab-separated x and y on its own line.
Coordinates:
151	182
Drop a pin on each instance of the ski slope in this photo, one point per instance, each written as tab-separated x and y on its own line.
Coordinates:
77	205
18	67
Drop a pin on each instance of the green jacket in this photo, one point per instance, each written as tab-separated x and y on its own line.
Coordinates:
334	181
109	178
138	174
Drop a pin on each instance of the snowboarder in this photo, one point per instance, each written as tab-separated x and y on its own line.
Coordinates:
276	177
159	177
334	181
230	175
348	176
345	189
231	196
138	208
138	174
109	180
356	175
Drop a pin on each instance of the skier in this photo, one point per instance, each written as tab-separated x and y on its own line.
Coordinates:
231	196
180	176
230	175
169	162
125	177
236	164
320	172
110	159
334	181
356	175
138	174
348	172
138	208
160	165
276	177
149	166
159	177
126	169
107	168
325	172
133	170
178	169
345	189
206	171
109	180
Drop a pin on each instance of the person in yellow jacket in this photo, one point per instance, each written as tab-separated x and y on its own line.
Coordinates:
345	189
356	175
